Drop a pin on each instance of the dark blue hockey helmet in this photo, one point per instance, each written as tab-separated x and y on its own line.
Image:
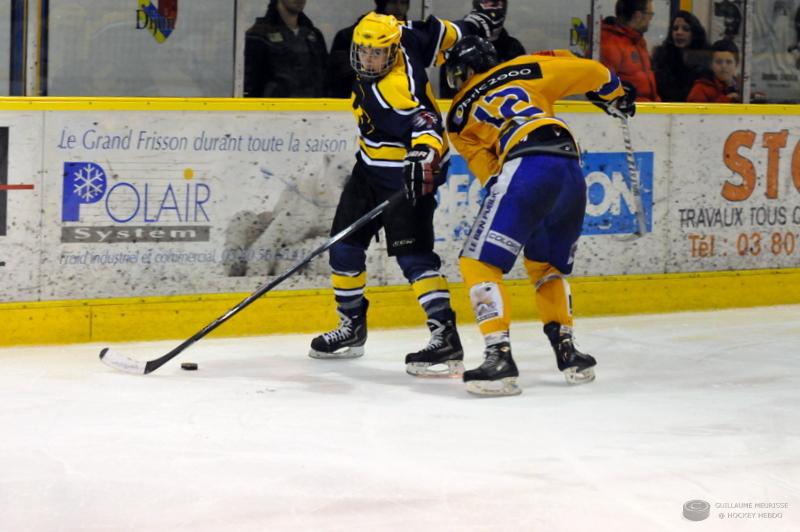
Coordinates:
471	52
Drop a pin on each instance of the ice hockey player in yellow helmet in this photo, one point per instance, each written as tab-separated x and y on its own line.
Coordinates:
376	39
401	145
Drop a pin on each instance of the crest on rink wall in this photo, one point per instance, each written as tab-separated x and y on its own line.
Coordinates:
610	206
157	17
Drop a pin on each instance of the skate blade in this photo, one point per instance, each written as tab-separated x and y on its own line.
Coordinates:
575	376
507	386
348	352
454	369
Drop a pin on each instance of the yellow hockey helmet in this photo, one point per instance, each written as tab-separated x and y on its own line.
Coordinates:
376	39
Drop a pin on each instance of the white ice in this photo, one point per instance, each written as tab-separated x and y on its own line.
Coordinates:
262	438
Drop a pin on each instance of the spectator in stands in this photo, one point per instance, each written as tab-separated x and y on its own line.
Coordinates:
506	46
682	58
284	54
341	75
731	17
623	48
723	86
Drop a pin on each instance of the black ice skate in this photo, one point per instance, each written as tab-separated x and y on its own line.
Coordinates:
577	367
345	341
497	375
442	357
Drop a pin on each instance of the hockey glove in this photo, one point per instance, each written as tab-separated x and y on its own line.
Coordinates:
421	172
620	107
487	19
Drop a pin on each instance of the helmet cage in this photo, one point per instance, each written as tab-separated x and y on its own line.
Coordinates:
371	62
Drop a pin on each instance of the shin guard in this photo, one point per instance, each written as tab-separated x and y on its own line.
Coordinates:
488	296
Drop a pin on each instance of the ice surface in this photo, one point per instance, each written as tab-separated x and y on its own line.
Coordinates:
685	406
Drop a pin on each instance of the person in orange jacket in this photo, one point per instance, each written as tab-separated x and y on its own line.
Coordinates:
724	86
623	48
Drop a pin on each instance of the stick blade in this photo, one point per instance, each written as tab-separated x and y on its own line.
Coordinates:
123	363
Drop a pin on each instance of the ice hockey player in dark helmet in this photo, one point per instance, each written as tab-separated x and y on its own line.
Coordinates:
502	123
473	53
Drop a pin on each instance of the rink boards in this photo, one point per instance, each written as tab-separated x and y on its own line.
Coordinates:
127	219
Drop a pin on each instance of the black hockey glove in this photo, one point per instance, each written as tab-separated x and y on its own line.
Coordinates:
487	19
620	107
421	172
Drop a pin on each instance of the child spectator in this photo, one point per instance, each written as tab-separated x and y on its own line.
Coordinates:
682	58
724	86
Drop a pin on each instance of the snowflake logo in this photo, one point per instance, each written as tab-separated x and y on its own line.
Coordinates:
89	182
84	183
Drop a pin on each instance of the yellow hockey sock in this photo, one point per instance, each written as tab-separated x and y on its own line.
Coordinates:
553	296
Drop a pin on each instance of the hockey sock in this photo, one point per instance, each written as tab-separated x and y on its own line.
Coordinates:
553	297
489	299
433	295
348	289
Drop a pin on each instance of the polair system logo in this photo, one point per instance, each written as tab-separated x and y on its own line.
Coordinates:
158	17
153	209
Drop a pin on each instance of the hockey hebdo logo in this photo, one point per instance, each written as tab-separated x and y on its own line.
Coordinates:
611	206
154	209
157	17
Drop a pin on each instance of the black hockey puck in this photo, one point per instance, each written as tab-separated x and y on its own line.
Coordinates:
190	366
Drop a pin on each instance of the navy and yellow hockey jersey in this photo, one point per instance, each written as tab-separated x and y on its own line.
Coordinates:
398	111
497	109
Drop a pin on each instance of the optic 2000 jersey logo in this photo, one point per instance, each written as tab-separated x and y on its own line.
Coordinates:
153	209
158	17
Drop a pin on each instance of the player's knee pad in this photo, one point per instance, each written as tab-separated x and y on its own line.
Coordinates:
487	294
344	257
417	265
490	304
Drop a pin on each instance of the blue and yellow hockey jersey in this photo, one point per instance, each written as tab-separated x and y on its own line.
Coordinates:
398	111
498	108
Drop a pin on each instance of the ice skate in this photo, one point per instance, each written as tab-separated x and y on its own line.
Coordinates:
497	375
442	357
345	341
577	367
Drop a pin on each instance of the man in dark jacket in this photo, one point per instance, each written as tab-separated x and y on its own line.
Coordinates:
341	75
284	54
506	46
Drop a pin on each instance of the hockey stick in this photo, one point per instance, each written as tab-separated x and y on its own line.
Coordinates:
127	364
641	221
